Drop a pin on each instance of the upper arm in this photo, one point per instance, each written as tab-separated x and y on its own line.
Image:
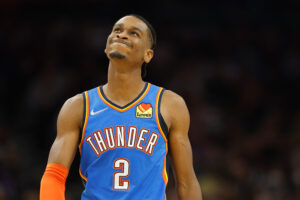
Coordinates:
69	122
176	115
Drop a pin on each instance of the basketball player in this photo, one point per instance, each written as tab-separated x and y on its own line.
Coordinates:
124	129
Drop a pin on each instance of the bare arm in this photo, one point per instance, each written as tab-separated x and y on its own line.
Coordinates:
176	115
69	122
63	150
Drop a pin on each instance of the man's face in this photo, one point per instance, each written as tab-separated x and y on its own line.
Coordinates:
129	40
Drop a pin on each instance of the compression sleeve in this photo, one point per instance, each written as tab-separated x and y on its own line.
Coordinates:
53	182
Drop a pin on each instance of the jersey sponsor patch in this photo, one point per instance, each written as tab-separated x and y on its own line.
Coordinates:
144	110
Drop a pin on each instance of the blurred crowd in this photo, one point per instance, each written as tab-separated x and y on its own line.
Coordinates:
237	65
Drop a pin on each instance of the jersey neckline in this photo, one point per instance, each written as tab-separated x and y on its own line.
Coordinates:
127	106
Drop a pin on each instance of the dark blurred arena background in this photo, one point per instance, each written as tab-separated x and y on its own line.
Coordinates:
236	63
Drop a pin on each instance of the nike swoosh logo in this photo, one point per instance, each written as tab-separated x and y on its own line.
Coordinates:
99	111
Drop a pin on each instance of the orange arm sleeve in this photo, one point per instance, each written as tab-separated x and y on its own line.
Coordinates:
53	182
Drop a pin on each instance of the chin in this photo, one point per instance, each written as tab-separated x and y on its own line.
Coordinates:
116	54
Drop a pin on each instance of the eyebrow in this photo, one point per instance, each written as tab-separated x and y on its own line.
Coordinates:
133	27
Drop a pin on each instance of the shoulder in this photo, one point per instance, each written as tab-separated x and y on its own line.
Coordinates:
173	108
172	98
73	102
72	110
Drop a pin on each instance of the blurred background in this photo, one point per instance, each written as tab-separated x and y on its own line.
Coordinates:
236	63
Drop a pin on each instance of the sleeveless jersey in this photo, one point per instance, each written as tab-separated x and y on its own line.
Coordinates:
123	149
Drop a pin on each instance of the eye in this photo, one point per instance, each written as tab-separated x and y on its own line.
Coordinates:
135	33
117	30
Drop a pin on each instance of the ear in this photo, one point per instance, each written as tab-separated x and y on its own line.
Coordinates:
149	53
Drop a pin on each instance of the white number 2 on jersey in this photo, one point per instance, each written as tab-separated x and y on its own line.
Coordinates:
118	183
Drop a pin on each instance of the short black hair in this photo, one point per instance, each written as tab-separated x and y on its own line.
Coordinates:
150	27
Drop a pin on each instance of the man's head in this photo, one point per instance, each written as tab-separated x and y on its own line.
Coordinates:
132	38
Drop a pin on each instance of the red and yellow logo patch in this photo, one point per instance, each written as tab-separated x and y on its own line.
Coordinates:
144	110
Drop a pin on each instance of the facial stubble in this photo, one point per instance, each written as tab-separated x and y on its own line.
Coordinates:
116	55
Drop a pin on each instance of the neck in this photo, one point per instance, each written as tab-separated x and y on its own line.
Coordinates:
124	83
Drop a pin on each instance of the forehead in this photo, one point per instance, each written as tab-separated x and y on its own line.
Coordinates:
131	21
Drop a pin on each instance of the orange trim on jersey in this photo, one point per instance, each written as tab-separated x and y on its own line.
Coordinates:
85	119
164	172
127	107
83	177
156	115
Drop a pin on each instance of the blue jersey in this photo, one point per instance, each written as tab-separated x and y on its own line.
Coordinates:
123	149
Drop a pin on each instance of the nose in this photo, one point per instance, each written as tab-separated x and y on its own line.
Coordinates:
122	35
